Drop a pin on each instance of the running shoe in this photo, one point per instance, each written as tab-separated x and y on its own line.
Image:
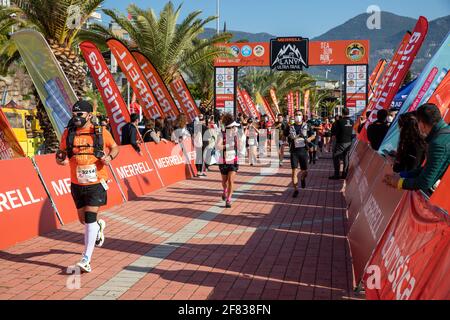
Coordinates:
303	182
295	195
84	265
101	233
228	204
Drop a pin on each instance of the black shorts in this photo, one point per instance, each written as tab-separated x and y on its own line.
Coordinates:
92	195
227	168
299	158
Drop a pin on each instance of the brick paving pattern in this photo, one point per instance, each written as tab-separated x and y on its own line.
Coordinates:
181	243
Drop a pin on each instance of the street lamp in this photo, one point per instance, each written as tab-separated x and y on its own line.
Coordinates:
326	73
218	16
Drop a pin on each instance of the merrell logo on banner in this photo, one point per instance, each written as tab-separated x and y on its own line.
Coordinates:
134	169
14	199
289	54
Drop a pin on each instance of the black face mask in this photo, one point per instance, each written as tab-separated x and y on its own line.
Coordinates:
79	122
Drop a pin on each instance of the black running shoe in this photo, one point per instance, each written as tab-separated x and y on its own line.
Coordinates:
228	204
295	195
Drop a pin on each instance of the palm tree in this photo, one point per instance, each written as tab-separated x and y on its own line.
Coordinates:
60	22
172	46
316	99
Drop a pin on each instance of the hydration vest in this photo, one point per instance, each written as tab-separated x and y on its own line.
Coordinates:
98	141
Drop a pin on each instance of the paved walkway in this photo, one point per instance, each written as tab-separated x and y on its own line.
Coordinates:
181	243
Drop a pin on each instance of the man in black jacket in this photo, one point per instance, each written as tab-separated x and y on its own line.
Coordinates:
378	130
130	132
342	134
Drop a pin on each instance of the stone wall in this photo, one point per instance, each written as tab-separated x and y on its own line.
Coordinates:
20	88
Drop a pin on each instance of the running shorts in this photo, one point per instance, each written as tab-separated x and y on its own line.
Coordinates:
91	195
227	168
299	158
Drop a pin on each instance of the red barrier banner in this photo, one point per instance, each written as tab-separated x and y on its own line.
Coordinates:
135	172
184	97
10	147
138	82
25	209
373	216
249	102
440	197
170	160
159	88
412	260
57	181
394	76
115	106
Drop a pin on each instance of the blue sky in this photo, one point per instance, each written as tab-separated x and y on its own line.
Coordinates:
293	17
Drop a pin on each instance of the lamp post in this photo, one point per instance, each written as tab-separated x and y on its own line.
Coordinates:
218	16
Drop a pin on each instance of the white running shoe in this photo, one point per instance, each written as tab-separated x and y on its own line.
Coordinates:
101	233
84	265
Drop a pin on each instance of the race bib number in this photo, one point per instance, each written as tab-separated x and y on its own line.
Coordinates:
230	156
299	143
251	142
87	174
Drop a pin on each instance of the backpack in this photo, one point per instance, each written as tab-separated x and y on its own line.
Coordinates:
98	141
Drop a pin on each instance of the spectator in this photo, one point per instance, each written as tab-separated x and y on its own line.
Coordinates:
412	146
180	130
150	132
427	177
378	130
391	116
200	144
342	133
167	129
130	132
363	120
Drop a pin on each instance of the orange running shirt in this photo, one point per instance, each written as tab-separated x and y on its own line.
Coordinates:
81	162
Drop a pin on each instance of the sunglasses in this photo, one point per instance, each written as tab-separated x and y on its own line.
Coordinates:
80	114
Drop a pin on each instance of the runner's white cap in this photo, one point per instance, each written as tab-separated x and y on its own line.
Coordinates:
234	124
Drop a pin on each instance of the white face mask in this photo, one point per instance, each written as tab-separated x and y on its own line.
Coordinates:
298	118
390	119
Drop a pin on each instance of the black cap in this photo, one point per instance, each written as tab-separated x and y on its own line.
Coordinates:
82	106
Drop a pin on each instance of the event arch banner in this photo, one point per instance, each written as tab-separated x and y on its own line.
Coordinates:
133	72
159	88
57	181
25	209
115	106
135	173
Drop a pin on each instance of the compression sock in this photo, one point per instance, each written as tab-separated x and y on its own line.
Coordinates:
91	229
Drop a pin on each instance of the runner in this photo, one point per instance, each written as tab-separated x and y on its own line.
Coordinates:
280	127
297	134
83	146
228	145
327	135
313	128
252	142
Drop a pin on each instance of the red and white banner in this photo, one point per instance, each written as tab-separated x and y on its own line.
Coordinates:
57	180
250	104
396	74
25	208
440	197
135	172
273	95
115	106
241	103
306	103
290	104
441	97
376	95
138	82
269	108
412	260
184	98
10	147
297	100
376	74
159	88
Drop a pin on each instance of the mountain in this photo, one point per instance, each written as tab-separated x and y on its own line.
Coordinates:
383	42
